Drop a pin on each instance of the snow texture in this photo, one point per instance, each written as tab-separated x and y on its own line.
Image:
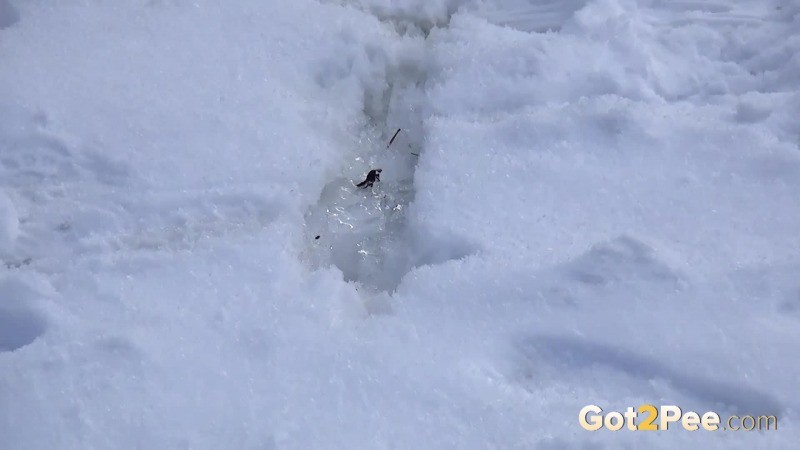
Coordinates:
590	202
9	224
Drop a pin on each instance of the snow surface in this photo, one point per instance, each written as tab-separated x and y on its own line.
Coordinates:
591	201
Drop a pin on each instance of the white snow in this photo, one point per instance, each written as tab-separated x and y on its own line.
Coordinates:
591	202
9	224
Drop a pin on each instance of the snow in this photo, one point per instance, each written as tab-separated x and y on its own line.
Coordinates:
9	224
590	202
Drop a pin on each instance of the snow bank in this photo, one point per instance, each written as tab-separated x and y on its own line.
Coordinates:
618	176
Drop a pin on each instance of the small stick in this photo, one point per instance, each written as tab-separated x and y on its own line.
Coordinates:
393	138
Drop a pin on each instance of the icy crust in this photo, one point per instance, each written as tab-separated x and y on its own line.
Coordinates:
361	230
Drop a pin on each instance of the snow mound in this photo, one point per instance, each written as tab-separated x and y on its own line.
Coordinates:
623	259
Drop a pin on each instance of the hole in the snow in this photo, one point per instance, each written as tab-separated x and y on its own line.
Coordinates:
19	327
20	323
362	212
539	16
8	15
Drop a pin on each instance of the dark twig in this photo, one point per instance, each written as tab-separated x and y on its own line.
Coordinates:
393	138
